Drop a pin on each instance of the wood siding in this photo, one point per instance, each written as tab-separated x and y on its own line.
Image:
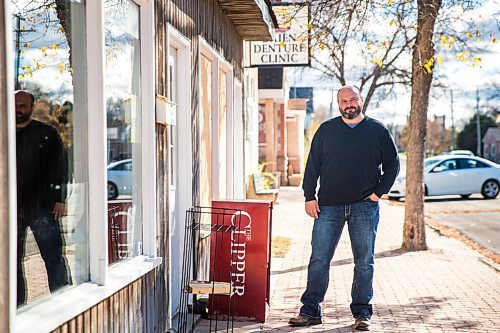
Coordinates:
132	309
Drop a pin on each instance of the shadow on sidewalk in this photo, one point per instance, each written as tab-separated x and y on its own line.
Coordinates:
384	254
427	311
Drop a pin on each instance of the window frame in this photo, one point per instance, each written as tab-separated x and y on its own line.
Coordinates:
219	63
53	311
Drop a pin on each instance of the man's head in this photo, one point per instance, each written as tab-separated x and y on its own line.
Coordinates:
25	104
350	102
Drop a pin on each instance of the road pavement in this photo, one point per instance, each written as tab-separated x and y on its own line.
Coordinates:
476	218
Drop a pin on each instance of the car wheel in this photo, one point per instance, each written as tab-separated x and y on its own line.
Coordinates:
490	189
112	191
465	196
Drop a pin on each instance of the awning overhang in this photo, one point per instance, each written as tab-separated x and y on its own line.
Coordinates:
253	19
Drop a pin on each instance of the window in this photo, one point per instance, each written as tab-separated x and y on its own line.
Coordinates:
216	76
52	184
471	164
486	150
123	113
492	151
448	165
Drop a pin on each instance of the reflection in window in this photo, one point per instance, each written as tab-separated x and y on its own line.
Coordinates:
50	146
123	101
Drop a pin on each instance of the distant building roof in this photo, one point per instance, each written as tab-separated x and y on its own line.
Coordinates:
493	132
304	92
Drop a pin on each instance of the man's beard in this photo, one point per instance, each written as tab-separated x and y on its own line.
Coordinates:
352	114
21	118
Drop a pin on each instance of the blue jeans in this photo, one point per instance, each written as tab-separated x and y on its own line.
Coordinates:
48	236
362	220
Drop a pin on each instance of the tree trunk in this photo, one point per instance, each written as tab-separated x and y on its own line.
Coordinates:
423	52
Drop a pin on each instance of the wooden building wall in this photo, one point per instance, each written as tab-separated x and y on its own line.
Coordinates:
132	309
143	305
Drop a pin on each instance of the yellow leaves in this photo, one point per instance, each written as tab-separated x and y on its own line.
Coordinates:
468	34
43	49
322	46
61	67
389	2
494	40
23	27
282	44
60	30
428	65
391	23
439	60
26	45
461	57
377	61
310	26
53	47
311	51
447	42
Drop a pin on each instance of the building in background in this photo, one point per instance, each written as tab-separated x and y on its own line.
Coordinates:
491	144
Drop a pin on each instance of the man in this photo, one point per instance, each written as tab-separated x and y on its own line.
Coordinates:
42	174
345	154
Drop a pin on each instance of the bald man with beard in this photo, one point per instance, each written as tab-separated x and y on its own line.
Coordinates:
42	176
347	154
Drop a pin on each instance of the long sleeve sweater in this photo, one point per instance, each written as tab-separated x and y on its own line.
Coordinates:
349	162
42	167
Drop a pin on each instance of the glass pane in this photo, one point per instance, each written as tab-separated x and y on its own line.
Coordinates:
51	113
123	101
222	133
206	132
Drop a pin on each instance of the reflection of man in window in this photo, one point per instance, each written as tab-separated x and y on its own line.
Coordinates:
41	194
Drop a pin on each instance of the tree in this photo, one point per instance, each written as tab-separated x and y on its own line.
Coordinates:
467	138
336	24
423	52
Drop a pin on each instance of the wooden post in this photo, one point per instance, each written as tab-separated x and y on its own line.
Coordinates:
5	291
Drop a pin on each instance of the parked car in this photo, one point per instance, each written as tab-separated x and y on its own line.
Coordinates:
119	178
458	152
455	174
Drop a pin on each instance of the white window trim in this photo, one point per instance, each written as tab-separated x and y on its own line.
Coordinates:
218	62
148	166
48	314
184	136
61	307
11	151
238	156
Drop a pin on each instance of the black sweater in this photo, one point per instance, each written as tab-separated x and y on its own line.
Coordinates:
42	167
347	162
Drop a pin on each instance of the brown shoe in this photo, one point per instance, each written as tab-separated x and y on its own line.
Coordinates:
302	320
361	324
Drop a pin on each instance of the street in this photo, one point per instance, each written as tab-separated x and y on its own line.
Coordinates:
476	218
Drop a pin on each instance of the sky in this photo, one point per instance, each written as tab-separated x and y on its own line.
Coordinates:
462	76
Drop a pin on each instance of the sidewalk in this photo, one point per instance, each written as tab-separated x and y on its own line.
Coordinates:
444	289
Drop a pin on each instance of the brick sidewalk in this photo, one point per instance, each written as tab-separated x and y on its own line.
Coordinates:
444	289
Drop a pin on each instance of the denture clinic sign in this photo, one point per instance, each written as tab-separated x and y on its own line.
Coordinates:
291	42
